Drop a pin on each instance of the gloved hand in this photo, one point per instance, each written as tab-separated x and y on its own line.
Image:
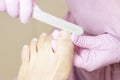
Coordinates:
96	51
17	8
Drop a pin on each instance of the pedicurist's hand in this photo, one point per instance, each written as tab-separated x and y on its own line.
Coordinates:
96	51
18	8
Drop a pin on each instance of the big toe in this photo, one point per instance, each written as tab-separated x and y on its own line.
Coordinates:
63	35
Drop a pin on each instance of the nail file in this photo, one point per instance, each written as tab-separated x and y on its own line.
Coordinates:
44	17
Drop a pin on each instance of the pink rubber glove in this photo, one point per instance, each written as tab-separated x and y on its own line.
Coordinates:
96	51
17	8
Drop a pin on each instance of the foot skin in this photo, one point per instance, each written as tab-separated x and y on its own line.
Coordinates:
40	62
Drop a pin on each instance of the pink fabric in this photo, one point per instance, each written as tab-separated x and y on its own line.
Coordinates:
96	16
110	72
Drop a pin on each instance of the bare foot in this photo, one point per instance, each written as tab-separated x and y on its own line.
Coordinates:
40	62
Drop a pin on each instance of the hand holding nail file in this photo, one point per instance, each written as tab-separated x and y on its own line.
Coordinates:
56	22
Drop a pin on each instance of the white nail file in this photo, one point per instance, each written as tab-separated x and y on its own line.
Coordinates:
56	22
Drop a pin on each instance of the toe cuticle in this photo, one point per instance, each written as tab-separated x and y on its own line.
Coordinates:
43	34
25	46
34	39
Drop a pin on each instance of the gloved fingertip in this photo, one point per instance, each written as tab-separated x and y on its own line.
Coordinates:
24	20
74	38
25	12
2	6
2	9
34	3
77	61
14	15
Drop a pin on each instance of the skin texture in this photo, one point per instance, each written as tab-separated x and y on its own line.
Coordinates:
100	44
18	8
40	62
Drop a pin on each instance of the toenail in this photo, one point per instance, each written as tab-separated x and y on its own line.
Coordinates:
55	34
25	46
43	34
34	39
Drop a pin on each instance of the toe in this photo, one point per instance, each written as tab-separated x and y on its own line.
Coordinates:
33	46
48	46
64	45
41	41
25	54
25	62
